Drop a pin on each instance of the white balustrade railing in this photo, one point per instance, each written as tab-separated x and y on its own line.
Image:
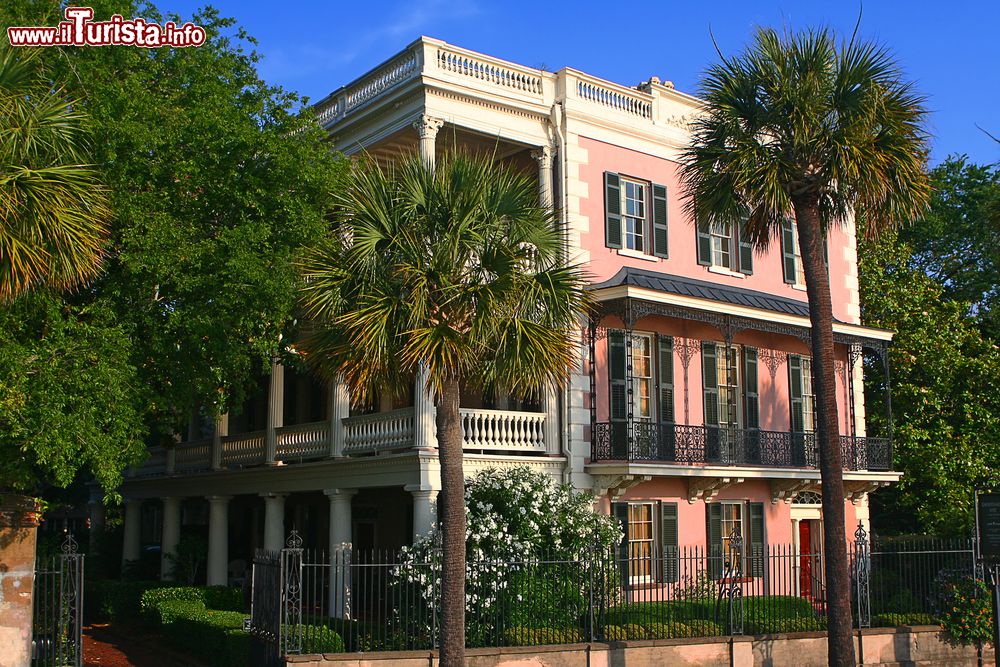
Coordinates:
304	441
503	430
193	455
475	66
243	449
378	432
614	97
402	68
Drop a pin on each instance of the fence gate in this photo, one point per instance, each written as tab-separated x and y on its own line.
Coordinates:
56	623
265	610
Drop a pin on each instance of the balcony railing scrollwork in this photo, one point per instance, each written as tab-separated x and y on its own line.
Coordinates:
707	445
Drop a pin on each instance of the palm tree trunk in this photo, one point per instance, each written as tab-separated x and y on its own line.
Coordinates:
451	518
831	465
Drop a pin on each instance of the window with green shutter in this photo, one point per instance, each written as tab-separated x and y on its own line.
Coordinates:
668	542
704	243
791	262
617	393
665	395
613	210
620	512
746	254
713	531
660	220
756	540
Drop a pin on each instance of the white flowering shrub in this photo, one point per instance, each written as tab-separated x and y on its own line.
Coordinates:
532	548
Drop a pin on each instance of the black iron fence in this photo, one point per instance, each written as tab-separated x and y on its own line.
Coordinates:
314	602
56	624
678	443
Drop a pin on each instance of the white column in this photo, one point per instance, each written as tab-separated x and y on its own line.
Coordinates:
543	155
424	510
221	430
550	401
339	409
131	546
218	540
424	434
340	551
274	521
171	535
427	127
275	411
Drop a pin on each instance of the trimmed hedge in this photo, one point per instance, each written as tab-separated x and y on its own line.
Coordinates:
635	631
897	620
168	611
318	639
614	633
214	636
777	625
221	598
669	631
704	628
520	636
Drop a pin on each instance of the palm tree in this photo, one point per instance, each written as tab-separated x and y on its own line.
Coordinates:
804	126
459	271
53	209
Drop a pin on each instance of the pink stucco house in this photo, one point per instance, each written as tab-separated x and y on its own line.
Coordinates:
691	410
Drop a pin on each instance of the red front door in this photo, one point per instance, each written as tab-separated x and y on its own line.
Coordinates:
805	559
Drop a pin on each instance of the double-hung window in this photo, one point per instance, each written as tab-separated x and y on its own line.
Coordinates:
635	215
791	257
735	519
649	550
721	247
642	376
801	394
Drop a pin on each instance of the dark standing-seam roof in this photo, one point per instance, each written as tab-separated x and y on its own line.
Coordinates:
664	282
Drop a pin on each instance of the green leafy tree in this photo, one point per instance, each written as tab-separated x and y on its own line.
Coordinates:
53	208
216	179
801	126
68	400
458	270
956	242
945	382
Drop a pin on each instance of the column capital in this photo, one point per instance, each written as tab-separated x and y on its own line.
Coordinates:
268	495
421	490
427	126
543	155
340	494
218	499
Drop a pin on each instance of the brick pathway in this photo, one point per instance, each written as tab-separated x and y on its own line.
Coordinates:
107	646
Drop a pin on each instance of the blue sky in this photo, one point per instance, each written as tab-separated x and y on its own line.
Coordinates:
949	48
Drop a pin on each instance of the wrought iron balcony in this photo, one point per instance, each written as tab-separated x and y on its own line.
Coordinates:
705	445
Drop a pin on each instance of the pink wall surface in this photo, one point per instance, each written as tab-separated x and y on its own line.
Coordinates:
691	522
682	237
774	407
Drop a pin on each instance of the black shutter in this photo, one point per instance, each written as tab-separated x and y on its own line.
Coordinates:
788	250
755	556
795	393
668	541
704	244
617	393
797	417
713	529
710	382
710	393
665	384
660	220
746	253
752	402
620	512
613	210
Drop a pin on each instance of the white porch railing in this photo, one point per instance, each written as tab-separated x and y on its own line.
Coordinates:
304	441
503	430
193	455
378	432
243	449
155	463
